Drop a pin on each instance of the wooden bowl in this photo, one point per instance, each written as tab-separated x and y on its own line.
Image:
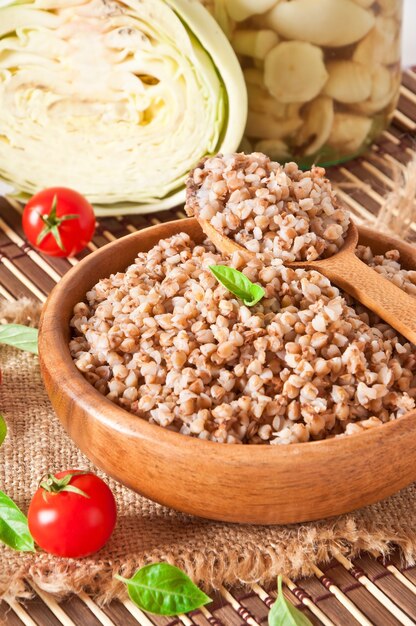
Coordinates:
257	484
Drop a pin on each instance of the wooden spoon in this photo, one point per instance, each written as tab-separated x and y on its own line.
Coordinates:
345	270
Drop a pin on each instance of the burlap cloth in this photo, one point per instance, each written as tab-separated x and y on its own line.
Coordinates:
211	553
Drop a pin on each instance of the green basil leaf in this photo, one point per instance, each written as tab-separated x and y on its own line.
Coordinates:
238	284
283	613
3	429
163	589
19	336
14	530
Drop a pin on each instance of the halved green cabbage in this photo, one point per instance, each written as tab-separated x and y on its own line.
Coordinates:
117	99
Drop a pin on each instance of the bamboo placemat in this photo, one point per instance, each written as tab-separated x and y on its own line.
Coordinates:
367	591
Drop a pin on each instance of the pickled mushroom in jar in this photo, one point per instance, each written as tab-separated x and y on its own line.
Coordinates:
294	71
322	76
348	81
318	120
349	131
321	22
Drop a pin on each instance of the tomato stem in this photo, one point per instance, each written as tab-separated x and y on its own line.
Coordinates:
52	223
53	485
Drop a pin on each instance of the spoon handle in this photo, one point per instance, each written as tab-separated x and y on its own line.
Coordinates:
377	293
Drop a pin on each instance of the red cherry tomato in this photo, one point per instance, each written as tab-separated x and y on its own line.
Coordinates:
72	514
59	221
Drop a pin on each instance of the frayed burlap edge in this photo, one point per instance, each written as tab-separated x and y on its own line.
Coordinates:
241	565
63	577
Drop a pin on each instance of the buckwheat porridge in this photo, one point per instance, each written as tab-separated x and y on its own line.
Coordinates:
166	341
267	207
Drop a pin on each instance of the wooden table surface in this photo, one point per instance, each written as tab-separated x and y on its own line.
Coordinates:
368	591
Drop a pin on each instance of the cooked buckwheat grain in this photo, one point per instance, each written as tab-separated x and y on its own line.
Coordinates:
267	207
166	341
388	265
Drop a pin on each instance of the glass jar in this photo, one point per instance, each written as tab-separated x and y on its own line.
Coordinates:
323	76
